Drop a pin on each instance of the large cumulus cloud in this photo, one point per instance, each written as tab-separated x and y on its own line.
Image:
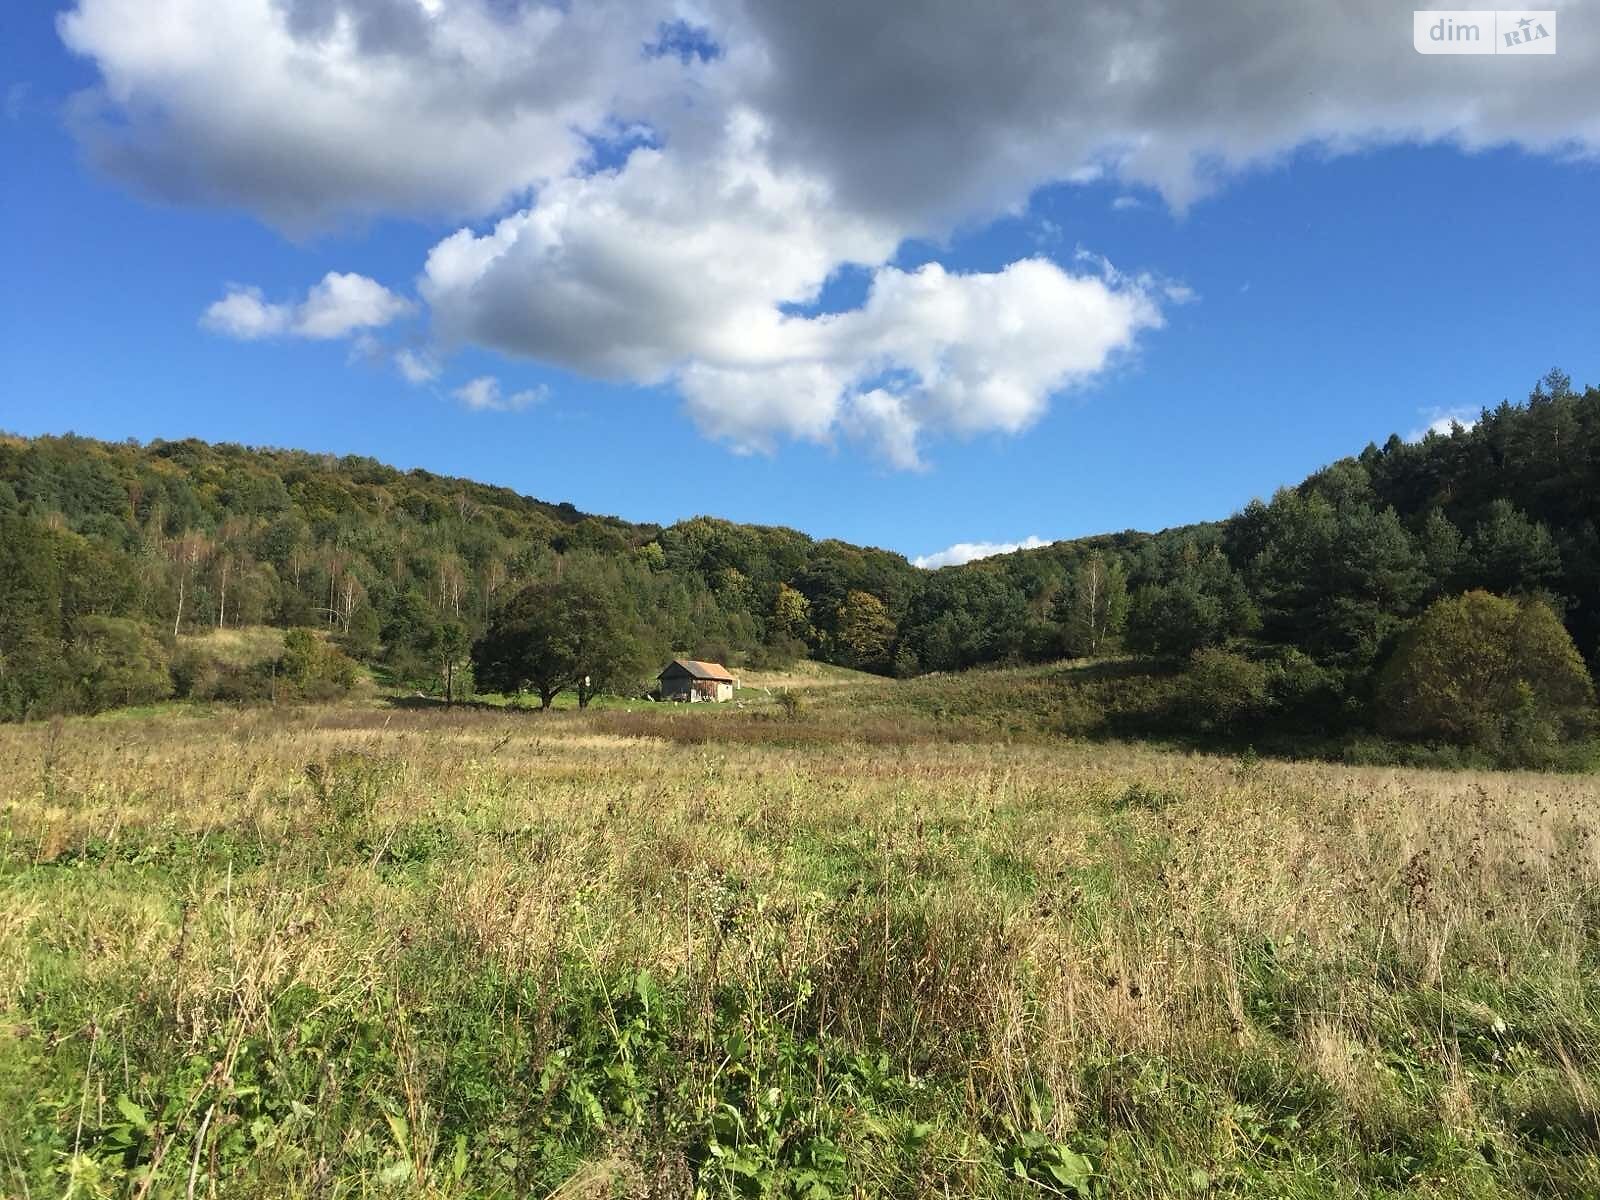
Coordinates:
659	190
309	111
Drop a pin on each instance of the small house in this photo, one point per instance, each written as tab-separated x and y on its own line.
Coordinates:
691	681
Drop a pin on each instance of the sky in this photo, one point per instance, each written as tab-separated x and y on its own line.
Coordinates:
939	277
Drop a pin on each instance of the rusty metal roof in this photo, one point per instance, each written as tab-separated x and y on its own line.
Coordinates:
699	670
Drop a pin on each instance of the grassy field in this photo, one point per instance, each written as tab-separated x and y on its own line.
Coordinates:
860	950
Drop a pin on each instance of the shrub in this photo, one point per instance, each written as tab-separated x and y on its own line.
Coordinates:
191	671
314	668
1371	751
35	679
1222	689
776	653
1497	674
116	661
906	663
201	673
246	684
1303	688
362	639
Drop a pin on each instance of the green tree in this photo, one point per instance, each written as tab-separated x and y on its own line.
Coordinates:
1203	604
410	634
1222	690
1484	671
32	642
1098	608
527	646
865	630
1443	551
1337	576
964	616
315	668
117	661
362	639
451	644
607	653
555	635
791	614
1511	554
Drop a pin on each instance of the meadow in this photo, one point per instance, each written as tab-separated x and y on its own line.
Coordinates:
372	949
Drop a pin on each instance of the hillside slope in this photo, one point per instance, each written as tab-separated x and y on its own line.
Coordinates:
1317	583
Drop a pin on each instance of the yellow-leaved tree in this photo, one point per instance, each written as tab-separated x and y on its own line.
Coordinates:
1482	670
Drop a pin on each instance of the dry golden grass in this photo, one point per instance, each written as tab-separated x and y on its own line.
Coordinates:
803	675
1259	978
237	646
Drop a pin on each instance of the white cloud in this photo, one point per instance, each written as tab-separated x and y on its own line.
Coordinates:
307	111
677	270
343	303
417	366
671	258
368	350
940	110
922	112
1124	202
1443	422
244	313
929	352
484	394
965	552
336	307
727	189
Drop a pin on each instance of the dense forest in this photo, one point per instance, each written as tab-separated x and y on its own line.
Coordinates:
109	551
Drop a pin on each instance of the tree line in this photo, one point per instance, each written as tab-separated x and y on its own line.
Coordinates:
407	570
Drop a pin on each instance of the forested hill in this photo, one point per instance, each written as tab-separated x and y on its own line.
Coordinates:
185	535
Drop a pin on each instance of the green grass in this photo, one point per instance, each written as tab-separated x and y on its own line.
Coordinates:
353	951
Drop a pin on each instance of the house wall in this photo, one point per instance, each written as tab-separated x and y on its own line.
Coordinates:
695	690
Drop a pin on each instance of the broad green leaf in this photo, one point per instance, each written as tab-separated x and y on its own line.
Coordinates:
1073	1172
395	1173
398	1127
132	1113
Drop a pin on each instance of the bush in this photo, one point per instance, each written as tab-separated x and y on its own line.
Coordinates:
1496	674
235	665
1304	689
115	661
362	639
35	680
198	674
247	684
189	669
1371	751
776	653
906	664
1221	690
313	668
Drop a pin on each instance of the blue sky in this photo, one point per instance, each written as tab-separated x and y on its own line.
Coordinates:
1257	305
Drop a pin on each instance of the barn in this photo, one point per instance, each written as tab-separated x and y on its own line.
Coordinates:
690	680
